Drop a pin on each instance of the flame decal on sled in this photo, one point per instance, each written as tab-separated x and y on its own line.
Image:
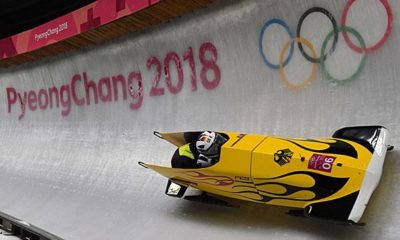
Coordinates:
208	179
336	146
322	187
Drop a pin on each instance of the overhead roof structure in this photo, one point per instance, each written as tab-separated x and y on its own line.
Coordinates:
20	15
28	14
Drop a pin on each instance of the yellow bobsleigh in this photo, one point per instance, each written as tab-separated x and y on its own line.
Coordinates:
329	178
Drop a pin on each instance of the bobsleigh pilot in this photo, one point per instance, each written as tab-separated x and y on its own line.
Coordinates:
202	153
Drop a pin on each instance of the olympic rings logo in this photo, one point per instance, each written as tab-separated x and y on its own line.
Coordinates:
315	58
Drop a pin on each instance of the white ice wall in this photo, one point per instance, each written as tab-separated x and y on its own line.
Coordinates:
77	175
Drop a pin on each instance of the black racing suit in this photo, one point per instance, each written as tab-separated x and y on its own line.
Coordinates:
185	156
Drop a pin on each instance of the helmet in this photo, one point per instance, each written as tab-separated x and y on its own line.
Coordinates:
209	143
205	142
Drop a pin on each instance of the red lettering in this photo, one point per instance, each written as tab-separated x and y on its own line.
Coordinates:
120	85
172	56
32	100
23	104
43	95
155	90
188	55
136	95
90	85
65	100
105	81
11	97
54	91
209	65
77	100
115	79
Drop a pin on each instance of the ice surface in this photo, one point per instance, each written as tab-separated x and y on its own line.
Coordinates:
77	175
